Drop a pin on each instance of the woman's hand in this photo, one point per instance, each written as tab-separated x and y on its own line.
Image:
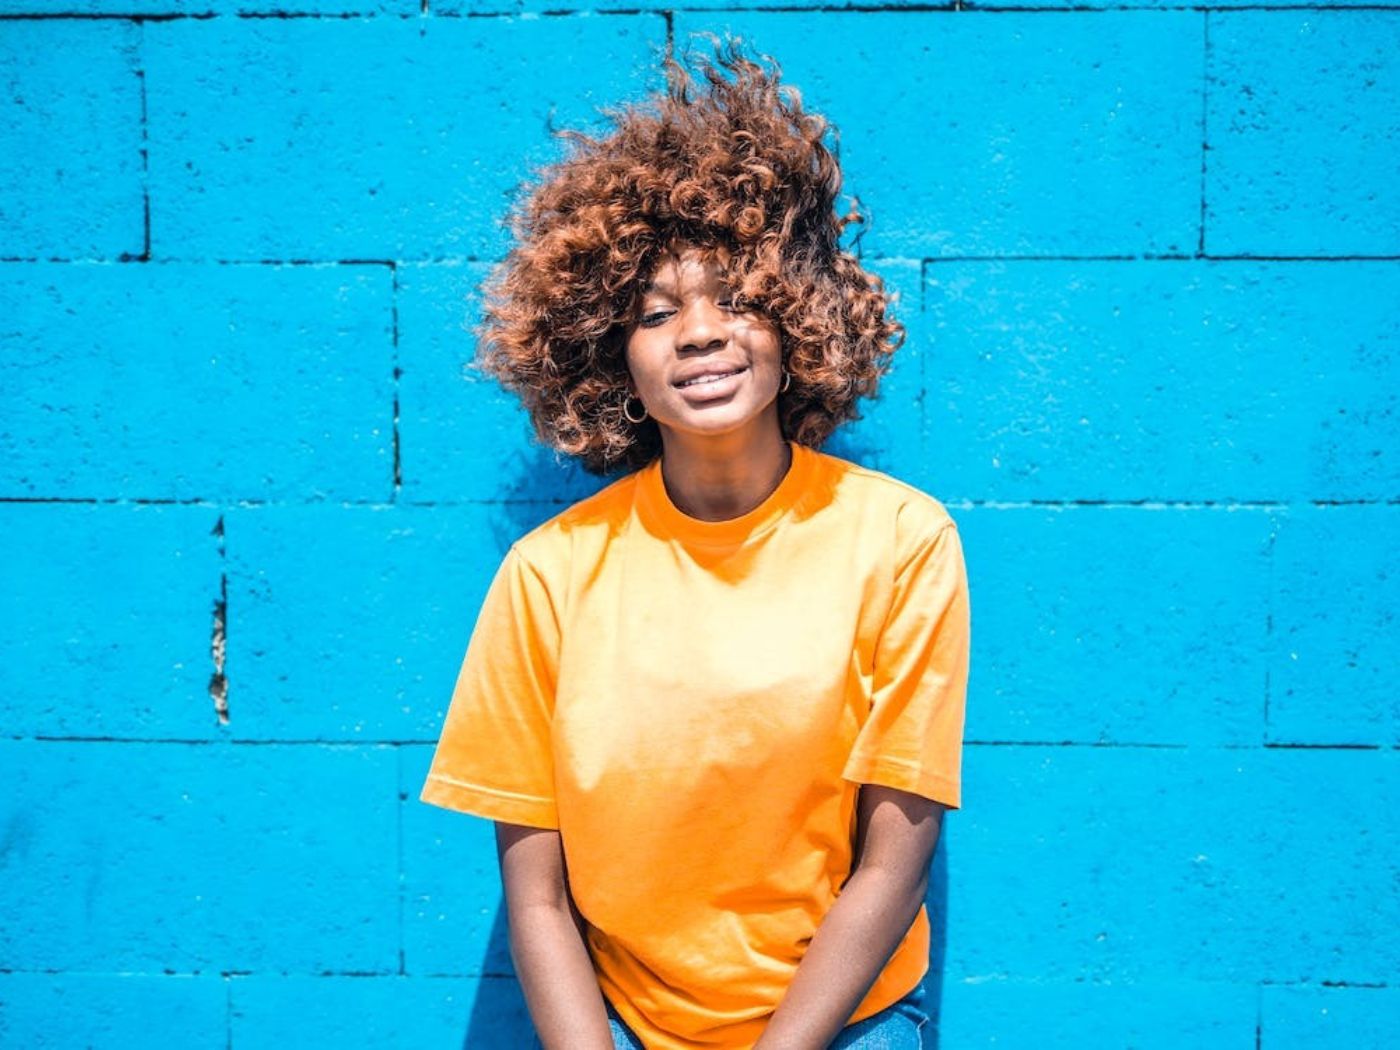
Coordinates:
897	832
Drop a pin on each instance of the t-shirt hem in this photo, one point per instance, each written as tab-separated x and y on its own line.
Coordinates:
890	772
490	803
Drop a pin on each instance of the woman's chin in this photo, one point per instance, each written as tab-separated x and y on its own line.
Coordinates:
720	418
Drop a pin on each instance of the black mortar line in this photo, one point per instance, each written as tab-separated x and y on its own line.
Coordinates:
1073	9
922	397
402	798
145	255
1009	257
1269	620
50	971
1360	501
49	738
1205	136
397	373
218	644
942	260
1080	743
999	504
953	6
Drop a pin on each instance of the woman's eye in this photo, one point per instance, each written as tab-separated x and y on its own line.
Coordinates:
730	302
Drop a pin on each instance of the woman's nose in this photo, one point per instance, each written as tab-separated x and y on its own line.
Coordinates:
702	323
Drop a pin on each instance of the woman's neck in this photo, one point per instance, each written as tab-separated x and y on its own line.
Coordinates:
724	476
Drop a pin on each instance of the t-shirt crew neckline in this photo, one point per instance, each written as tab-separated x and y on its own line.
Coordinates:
654	503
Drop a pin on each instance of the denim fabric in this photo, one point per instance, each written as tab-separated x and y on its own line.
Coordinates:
899	1026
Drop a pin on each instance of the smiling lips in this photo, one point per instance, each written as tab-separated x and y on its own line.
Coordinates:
711	386
709	377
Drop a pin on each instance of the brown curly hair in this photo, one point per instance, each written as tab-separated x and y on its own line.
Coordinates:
740	173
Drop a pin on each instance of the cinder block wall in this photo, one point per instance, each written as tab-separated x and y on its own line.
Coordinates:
1149	258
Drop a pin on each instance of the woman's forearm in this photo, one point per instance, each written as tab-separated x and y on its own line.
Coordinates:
557	977
854	941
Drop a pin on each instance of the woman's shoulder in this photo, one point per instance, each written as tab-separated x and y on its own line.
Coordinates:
867	490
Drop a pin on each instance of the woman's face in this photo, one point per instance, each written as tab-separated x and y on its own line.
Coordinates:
688	328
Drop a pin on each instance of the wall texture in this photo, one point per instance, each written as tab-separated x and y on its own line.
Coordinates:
1149	258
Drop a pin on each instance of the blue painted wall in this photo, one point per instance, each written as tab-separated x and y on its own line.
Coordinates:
1149	258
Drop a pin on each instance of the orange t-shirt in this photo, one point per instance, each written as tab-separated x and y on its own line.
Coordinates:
692	704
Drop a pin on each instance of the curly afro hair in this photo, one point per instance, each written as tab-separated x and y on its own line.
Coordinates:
740	173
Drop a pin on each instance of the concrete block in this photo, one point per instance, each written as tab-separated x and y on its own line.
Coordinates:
47	1011
1303	122
463	435
70	139
1117	625
889	435
1172	381
1133	864
199	859
430	1013
1301	1017
112	630
378	138
350	623
1160	1014
193	382
1334	605
454	913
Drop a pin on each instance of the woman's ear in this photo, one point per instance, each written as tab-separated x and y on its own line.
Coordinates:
627	380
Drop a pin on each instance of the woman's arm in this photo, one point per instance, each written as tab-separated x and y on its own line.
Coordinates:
547	941
896	835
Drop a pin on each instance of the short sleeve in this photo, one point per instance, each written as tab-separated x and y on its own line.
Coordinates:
494	756
912	737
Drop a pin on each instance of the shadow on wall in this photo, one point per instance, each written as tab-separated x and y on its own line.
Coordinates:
499	1016
533	484
937	900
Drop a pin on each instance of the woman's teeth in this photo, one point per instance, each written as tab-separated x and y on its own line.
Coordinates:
711	379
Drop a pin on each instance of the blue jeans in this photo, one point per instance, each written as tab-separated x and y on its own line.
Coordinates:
899	1026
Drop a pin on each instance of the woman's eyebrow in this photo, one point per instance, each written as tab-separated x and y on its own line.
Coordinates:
669	288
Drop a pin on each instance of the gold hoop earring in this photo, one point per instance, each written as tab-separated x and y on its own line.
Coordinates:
628	415
787	381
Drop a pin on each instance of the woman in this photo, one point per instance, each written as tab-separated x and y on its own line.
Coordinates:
716	708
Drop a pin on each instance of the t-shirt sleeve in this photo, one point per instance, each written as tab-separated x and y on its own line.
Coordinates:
494	757
912	737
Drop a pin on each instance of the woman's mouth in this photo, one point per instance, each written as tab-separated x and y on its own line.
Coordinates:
712	386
